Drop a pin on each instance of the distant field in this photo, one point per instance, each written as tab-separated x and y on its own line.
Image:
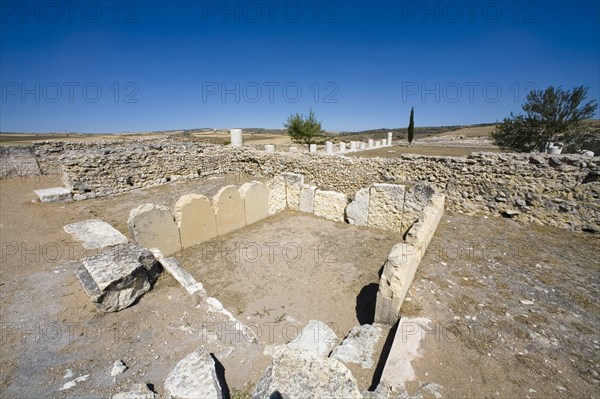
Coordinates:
393	152
476	131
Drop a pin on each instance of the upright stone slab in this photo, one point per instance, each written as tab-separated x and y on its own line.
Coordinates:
312	148
115	278
417	197
277	194
328	148
269	148
363	145
330	205
370	143
342	147
293	185
353	146
229	210
195	219
153	226
389	138
357	212
386	203
195	376
307	199
256	201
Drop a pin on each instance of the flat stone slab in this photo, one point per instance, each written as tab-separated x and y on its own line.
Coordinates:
305	374
256	201
317	337
117	277
277	197
154	226
307	199
195	219
386	204
330	205
55	194
359	346
357	212
229	210
293	185
194	377
95	234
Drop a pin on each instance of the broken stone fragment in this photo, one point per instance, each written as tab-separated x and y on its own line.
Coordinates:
359	346
317	337
118	276
195	376
305	374
136	391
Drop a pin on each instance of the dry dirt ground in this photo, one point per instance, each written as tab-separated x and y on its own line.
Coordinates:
513	307
418	149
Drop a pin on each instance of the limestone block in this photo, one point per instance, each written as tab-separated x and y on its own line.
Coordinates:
277	194
293	185
153	226
195	219
307	199
55	194
118	276
386	202
357	211
359	346
416	198
317	337
304	374
229	210
256	201
330	205
195	376
95	234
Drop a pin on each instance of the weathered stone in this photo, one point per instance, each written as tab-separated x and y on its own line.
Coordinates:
307	199
405	347
194	377
293	185
95	234
316	336
183	277
256	201
136	391
195	219
118	368
359	345
55	194
303	374
330	205
357	212
386	204
117	277
154	226
277	194
416	198
229	210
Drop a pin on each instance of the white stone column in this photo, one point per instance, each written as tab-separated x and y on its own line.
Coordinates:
370	143
312	148
363	145
236	137
342	147
353	146
328	148
269	148
389	138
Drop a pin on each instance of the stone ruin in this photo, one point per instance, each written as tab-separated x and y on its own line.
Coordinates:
406	195
121	273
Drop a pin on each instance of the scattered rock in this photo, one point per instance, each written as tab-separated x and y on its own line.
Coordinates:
305	374
358	346
72	383
510	213
194	377
117	277
118	368
95	234
136	391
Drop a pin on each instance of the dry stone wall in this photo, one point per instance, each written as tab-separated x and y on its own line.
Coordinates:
561	191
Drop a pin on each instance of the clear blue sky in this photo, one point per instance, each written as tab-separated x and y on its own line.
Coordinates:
115	66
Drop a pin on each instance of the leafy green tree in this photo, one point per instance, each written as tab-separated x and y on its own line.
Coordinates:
304	129
550	115
411	126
